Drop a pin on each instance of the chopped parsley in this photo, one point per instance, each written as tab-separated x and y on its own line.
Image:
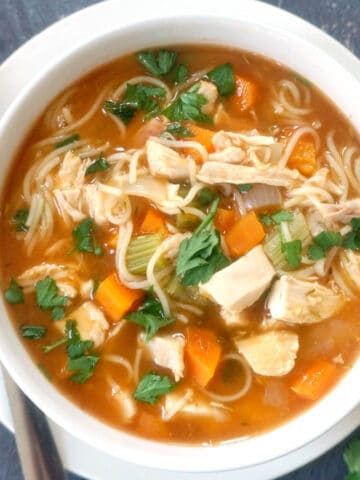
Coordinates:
282	216
14	294
205	197
52	346
352	459
179	130
200	256
223	77
44	371
121	110
181	72
19	219
352	239
67	141
315	252
99	165
158	64
265	220
33	332
150	316
47	298
84	238
152	386
292	250
188	106
322	242
245	187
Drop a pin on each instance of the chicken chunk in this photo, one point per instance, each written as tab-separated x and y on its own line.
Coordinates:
210	92
271	354
152	128
126	403
71	172
240	284
299	301
235	319
165	162
90	321
219	172
69	203
168	352
340	212
228	155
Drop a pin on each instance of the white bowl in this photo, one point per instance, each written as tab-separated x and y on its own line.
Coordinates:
254	33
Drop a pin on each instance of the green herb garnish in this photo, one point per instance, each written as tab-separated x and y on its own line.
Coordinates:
84	238
180	74
205	197
67	141
292	252
19	219
100	165
188	107
265	220
52	346
179	130
245	187
200	256
33	332
323	242
223	77
14	294
158	64
152	386
282	216
352	459
315	252
352	239
44	371
121	110
47	298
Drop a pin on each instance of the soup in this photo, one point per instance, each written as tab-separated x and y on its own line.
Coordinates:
180	247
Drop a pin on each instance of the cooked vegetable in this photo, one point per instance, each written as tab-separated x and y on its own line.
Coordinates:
205	197
158	64
187	106
14	294
323	241
292	250
224	219
314	381
33	332
179	130
150	316
298	230
116	299
181	72
352	459
245	95
352	239
282	216
186	221
47	298
154	222
184	293
200	256
204	137
303	156
246	233
202	354
223	77
67	141
19	219
84	238
152	386
99	165
123	111
141	248
262	196
245	187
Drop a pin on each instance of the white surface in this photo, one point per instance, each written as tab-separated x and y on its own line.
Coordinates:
16	72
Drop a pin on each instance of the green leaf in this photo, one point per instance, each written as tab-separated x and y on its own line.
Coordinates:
14	294
352	457
58	313
158	64
152	386
223	77
282	216
33	332
266	220
181	73
84	238
292	251
99	165
179	130
44	371
52	346
315	252
355	223
328	239
47	297
246	187
19	219
205	197
121	110
67	141
83	367
188	107
75	346
351	241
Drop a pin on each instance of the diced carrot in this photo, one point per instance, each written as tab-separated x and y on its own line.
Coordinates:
154	222
150	426
245	234
314	382
303	157
202	136
116	299
245	95
202	354
224	219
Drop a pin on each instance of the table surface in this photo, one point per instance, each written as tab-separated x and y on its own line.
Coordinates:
21	19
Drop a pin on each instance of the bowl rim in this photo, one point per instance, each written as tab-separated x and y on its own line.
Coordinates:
16	372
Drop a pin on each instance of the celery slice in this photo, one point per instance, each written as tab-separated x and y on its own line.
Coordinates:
298	230
141	248
184	294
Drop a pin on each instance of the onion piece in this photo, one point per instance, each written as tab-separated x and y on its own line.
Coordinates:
262	196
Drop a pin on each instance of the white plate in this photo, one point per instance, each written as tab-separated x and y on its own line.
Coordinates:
17	71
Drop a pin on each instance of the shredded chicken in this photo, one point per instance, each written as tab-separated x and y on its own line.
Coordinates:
152	128
71	172
340	212
168	352
228	155
235	319
166	162
210	92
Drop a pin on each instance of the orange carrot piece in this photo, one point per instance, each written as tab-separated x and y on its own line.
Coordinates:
245	95
224	219
303	157
116	299
202	136
202	354
314	382
154	222
245	234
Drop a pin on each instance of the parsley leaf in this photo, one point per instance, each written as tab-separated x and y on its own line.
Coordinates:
187	106
47	297
152	386
19	219
315	252
245	187
181	73
14	294
98	166
158	64
282	216
292	251
323	241
179	130
83	367
352	239
223	77
33	332
352	459
150	316
67	141
52	346
84	239
75	346
121	110
44	371
200	256
265	220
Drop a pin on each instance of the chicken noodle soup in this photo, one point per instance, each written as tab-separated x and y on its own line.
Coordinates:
181	236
